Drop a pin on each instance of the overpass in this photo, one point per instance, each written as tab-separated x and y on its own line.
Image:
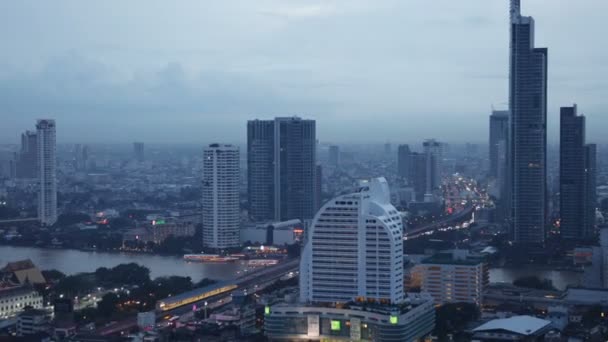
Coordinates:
457	218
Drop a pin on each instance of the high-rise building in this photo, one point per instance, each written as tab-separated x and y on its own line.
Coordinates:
434	153
589	226
404	162
527	131
138	151
351	277
334	155
355	249
453	276
27	161
47	171
221	206
281	160
260	169
418	174
573	174
499	131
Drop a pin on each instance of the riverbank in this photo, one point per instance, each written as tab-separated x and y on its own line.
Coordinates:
71	261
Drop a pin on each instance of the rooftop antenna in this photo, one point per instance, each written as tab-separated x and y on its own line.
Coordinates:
515	10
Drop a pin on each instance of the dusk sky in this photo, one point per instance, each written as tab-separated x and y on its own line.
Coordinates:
366	70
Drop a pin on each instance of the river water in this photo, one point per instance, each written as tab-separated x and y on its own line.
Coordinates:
71	261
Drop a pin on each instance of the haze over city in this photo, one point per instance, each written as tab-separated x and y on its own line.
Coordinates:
369	71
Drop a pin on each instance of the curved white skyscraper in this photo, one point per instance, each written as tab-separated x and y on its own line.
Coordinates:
221	209
47	174
355	249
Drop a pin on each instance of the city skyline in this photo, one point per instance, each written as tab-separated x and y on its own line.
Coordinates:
109	77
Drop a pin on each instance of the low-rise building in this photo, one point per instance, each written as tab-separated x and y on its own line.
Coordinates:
516	328
274	233
453	276
14	300
413	319
32	321
161	229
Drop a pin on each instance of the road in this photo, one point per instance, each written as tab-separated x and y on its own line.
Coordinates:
252	283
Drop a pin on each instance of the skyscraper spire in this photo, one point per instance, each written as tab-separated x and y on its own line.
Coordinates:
515	10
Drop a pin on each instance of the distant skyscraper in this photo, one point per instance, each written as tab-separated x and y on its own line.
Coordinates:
221	205
528	136
281	160
499	131
388	148
434	152
47	173
403	162
138	151
418	174
334	155
355	249
27	161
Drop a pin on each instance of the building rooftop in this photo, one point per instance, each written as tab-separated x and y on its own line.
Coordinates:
455	257
521	325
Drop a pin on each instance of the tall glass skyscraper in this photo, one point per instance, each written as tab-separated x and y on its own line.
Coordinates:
281	161
527	131
572	173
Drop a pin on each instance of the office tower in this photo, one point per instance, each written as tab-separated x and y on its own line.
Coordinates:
221	209
527	131
47	174
434	152
418	174
453	277
138	151
501	172
499	131
403	162
572	173
354	249
260	169
27	161
590	188
281	160
334	155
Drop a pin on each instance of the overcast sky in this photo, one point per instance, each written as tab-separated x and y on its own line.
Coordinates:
367	70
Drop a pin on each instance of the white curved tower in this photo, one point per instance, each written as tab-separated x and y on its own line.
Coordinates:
355	249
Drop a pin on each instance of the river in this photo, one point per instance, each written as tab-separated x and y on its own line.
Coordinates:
71	261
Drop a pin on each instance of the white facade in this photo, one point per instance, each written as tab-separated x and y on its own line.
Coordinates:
14	300
355	249
455	278
221	210
47	165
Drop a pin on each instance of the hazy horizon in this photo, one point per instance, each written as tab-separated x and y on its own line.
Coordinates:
366	70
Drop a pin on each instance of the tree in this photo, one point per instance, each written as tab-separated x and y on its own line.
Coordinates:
68	219
52	275
108	304
453	317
